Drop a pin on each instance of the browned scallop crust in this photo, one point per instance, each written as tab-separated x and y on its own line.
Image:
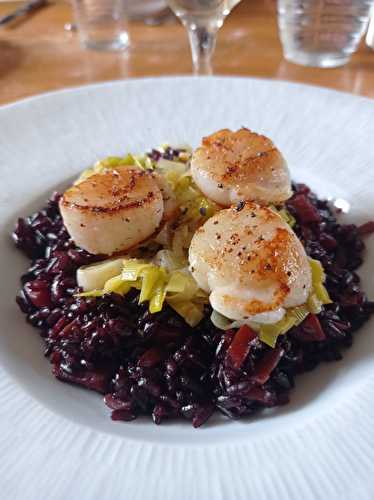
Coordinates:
269	262
113	210
108	193
238	162
272	261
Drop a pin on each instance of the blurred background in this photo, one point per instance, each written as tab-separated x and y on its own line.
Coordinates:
50	45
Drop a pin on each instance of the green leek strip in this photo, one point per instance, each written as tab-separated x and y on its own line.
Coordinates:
158	297
172	167
156	286
184	284
209	207
177	176
91	293
167	260
142	161
105	164
322	294
150	276
220	321
181	241
270	333
268	337
132	269
287	217
93	276
177	282
184	182
318	278
113	284
84	175
115	161
298	313
192	313
201	209
318	274
314	304
126	287
285	214
293	317
172	178
186	298
186	195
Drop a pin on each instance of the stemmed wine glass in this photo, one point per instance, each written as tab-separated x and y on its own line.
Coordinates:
202	18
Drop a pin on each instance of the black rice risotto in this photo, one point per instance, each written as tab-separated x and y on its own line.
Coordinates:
155	364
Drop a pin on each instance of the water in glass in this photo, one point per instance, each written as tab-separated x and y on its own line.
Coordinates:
322	33
144	9
201	11
102	24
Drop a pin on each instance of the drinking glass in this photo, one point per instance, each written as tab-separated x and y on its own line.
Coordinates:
202	18
322	33
145	9
102	24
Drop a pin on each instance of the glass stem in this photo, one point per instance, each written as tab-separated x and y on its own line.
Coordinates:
203	42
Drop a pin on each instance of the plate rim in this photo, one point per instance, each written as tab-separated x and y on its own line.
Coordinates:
247	448
114	82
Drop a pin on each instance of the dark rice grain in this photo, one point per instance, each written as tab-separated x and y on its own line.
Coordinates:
155	364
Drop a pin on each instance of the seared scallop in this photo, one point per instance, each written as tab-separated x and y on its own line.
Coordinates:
251	263
168	195
113	211
233	166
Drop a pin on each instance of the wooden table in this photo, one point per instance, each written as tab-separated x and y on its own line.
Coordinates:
38	55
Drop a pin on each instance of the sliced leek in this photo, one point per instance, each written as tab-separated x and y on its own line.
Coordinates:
294	316
157	285
105	164
318	278
164	278
285	214
94	276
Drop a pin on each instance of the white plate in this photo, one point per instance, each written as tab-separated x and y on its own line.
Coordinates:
57	441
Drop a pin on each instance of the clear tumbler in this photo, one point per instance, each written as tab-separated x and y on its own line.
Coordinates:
102	24
322	33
